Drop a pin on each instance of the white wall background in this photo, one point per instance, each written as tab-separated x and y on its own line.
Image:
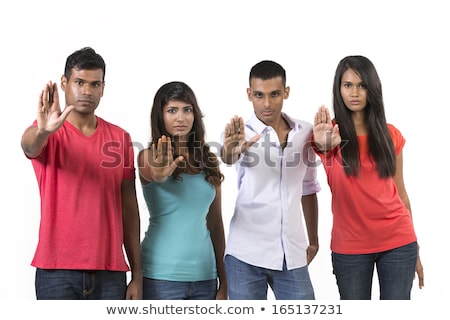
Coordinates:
211	45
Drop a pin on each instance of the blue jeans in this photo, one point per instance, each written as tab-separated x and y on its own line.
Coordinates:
247	282
80	285
395	269
179	290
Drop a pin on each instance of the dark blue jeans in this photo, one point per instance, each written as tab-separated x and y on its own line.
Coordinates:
395	269
80	285
247	282
179	290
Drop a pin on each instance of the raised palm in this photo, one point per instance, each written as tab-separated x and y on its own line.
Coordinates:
162	162
326	136
49	116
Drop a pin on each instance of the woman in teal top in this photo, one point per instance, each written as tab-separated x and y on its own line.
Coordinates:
183	247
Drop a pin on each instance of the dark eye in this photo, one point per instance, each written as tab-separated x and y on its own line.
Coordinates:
363	86
347	85
188	109
275	94
257	94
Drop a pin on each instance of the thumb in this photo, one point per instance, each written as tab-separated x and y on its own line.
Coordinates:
175	162
336	128
253	140
249	143
66	111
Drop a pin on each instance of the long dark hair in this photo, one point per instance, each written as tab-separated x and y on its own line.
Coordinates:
381	147
203	157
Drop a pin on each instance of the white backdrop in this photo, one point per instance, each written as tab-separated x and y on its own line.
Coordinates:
211	46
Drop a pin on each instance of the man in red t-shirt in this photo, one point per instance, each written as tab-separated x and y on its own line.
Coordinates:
84	167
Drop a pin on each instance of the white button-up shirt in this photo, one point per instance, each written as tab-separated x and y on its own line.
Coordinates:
268	225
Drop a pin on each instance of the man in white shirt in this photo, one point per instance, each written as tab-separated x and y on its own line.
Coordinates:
277	186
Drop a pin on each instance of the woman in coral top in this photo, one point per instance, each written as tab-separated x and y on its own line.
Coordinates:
362	157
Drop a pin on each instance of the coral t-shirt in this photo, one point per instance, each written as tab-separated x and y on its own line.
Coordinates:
368	214
79	181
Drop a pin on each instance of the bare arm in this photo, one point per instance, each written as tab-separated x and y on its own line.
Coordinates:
131	238
49	119
215	225
398	178
310	212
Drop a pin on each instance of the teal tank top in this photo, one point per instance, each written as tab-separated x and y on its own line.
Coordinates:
177	245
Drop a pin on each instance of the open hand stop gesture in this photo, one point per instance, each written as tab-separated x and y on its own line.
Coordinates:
234	140
162	162
326	136
49	116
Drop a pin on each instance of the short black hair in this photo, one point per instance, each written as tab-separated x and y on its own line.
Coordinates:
267	69
85	58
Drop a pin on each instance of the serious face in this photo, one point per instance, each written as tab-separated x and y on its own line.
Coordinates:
178	118
267	97
353	91
84	89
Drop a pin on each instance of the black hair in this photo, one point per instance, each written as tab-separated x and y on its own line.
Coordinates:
267	69
204	158
381	147
85	58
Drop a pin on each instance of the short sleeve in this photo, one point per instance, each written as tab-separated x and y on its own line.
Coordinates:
397	138
129	171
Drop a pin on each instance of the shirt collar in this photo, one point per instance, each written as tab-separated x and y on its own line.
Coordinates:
260	127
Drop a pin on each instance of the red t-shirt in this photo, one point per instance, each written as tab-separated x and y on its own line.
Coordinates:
79	181
368	214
